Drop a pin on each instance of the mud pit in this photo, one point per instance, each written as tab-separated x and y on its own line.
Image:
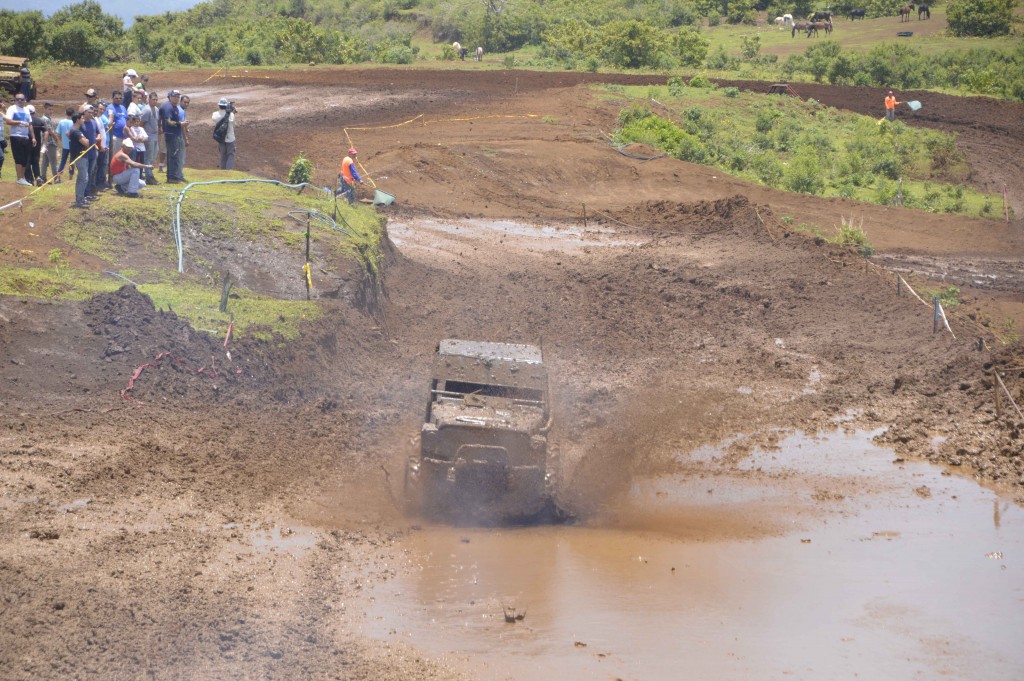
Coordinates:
241	524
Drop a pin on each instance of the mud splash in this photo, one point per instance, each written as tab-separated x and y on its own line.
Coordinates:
857	569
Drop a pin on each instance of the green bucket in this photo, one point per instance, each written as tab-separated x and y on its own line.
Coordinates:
381	198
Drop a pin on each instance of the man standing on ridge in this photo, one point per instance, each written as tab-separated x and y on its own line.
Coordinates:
174	141
890	107
227	145
348	176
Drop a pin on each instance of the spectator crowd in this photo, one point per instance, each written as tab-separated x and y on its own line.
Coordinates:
107	144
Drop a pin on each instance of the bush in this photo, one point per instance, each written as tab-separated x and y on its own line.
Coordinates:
691	48
731	92
804	173
768	169
301	171
980	18
701	82
852	236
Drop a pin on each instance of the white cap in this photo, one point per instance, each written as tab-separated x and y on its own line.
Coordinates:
30	108
223	101
131	72
128	143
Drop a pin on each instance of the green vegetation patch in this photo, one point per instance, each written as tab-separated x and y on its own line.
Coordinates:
254	314
804	147
54	282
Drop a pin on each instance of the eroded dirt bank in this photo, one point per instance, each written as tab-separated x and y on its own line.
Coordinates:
149	536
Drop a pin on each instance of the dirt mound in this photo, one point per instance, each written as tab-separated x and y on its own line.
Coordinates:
702	217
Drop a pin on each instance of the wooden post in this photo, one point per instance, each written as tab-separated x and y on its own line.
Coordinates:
584	216
995	388
981	344
224	291
307	255
1006	205
935	321
899	285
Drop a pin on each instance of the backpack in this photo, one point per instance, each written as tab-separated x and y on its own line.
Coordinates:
220	131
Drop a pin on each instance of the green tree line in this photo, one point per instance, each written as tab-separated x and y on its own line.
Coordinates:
576	34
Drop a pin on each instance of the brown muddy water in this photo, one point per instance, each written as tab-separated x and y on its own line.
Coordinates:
821	559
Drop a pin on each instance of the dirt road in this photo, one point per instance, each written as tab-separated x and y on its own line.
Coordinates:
229	522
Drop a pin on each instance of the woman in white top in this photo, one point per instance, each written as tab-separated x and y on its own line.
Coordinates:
128	84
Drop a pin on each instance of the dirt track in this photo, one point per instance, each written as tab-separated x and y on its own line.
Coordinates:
683	313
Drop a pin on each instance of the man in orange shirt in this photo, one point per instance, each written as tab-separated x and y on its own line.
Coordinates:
890	107
348	176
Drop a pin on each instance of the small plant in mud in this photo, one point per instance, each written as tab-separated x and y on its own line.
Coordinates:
59	262
949	297
302	170
787	219
849	235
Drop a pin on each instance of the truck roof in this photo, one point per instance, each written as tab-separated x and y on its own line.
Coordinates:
487	363
485	350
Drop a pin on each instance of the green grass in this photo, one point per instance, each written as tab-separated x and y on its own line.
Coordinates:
803	146
53	282
253	314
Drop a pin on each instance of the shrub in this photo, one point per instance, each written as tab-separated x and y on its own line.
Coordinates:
804	173
301	171
701	82
981	18
675	86
731	92
690	47
768	169
849	235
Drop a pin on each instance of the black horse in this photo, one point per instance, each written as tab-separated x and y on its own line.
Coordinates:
822	16
925	10
859	13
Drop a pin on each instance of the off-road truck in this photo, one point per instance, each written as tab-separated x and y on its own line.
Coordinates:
11	70
484	455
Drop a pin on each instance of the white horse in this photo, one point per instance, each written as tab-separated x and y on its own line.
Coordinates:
787	20
479	54
780	22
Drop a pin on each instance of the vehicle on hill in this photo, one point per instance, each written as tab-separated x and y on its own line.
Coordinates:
484	456
12	70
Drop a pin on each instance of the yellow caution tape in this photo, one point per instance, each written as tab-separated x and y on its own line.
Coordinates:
309	275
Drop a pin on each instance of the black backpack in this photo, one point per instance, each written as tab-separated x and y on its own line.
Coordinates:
220	131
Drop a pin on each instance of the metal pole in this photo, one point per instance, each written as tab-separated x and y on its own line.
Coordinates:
307	255
935	322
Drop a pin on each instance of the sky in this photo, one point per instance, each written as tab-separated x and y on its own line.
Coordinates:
125	9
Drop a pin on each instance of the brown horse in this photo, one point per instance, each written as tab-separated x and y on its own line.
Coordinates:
816	26
905	12
799	26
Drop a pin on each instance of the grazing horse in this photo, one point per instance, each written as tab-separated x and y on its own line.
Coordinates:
822	16
905	12
816	26
799	26
479	54
858	13
925	10
787	19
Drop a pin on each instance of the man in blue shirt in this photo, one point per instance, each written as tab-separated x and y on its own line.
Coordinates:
98	165
174	141
82	136
117	115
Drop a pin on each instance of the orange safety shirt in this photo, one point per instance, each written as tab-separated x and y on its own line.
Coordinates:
890	102
350	174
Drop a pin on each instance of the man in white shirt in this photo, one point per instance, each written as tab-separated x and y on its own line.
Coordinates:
23	139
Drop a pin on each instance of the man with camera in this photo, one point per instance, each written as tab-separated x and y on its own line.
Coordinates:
224	133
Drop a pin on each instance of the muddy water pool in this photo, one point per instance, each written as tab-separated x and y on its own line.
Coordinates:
855	566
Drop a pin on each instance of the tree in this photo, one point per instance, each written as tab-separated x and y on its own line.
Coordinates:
980	18
742	12
107	26
632	44
690	47
76	42
21	33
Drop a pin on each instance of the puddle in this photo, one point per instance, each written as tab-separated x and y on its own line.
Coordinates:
293	540
452	235
873	570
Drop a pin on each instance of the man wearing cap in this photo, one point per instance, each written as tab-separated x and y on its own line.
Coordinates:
890	106
19	118
348	176
82	138
90	96
126	172
170	126
227	145
128	84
